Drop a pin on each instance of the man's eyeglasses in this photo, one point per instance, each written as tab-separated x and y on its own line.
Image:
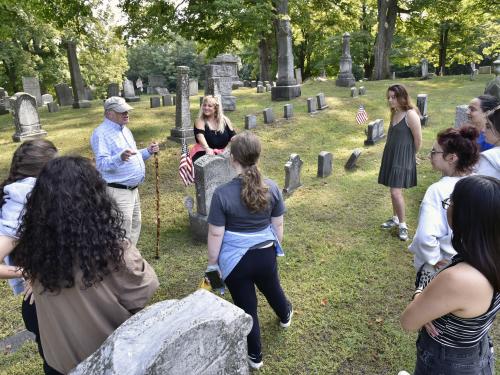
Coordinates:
446	203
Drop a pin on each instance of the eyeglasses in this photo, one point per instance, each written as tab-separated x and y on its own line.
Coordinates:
446	203
432	152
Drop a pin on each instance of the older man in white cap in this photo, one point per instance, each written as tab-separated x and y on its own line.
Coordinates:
120	163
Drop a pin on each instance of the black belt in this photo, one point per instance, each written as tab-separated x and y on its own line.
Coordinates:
120	186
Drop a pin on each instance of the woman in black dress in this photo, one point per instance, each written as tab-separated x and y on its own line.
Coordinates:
398	170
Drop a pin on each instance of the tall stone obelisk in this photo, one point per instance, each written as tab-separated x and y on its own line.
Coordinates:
345	77
286	87
183	131
76	77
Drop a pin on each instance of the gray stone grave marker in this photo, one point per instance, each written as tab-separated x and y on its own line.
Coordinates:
298	76
76	77
422	107
485	70
393	76
362	90
425	68
293	168
461	116
183	130
345	77
250	122
64	94
129	91
351	162
230	64
3	102
325	164
354	92
253	84
260	89
268	87
53	107
26	118
200	334
154	102
321	102
167	100
374	132
288	111
220	83
47	98
193	87
161	91
268	115
311	105
31	86
113	90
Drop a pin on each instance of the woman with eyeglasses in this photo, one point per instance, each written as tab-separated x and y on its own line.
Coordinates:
398	169
212	129
489	162
458	306
454	154
477	112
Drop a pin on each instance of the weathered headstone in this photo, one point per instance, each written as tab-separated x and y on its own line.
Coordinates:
286	87
288	111
298	76
351	162
47	98
200	334
230	64
425	68
183	130
293	168
253	84
53	107
31	86
154	102
461	116
493	87
485	70
311	105
156	81
113	90
129	91
325	164
87	93
219	83
354	92
345	77
260	89
422	107
321	102
268	115
362	90
193	87
3	102
76	77
250	122
374	132
167	100
211	171
260	83
393	76
161	91
64	94
26	118
268	87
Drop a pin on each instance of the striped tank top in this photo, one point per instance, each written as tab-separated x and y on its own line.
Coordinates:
459	332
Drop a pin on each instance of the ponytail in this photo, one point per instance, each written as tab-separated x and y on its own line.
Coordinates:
253	190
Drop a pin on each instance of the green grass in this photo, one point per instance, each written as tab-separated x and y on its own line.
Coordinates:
349	280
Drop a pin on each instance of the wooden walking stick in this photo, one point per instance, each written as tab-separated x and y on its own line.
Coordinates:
157	206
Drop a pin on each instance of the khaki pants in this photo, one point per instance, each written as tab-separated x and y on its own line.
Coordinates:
130	205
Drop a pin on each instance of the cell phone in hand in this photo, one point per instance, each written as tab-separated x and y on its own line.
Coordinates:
214	279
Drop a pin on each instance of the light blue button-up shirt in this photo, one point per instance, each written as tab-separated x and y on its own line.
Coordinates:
108	141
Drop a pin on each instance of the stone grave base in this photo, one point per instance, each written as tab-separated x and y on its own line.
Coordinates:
374	141
199	226
229	103
285	92
82	104
133	99
29	136
345	80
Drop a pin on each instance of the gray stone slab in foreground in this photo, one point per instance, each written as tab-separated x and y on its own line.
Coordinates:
200	334
12	343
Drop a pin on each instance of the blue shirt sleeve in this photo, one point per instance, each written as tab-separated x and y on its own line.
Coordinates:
216	216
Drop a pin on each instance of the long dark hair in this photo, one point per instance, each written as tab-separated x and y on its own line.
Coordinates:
475	220
487	102
70	222
245	149
27	161
403	98
462	142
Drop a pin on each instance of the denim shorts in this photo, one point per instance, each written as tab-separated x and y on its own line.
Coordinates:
434	358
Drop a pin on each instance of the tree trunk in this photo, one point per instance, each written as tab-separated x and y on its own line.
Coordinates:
387	13
264	60
443	46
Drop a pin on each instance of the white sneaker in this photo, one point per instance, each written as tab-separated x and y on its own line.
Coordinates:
403	372
254	365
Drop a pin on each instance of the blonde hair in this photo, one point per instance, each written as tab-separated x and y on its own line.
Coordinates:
220	119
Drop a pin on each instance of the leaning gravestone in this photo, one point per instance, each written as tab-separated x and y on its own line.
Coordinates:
64	94
250	122
311	105
154	102
374	132
47	98
76	77
26	118
345	77
351	162
53	107
210	171
288	111
422	107
293	168
183	131
268	115
461	116
113	90
129	91
31	86
200	334
325	164
3	102
321	102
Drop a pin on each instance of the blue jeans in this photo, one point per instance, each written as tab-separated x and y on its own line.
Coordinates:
434	358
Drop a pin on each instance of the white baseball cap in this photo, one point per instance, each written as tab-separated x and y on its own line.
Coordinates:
117	104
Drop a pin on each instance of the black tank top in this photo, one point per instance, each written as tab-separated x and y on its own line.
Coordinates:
216	139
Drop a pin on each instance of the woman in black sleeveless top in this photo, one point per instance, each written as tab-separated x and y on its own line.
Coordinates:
213	131
456	309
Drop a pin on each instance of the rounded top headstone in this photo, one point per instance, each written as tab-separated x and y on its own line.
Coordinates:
346	35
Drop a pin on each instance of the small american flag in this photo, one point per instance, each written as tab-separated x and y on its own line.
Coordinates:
361	116
186	170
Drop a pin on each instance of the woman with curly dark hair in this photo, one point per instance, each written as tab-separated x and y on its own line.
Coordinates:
244	234
87	279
